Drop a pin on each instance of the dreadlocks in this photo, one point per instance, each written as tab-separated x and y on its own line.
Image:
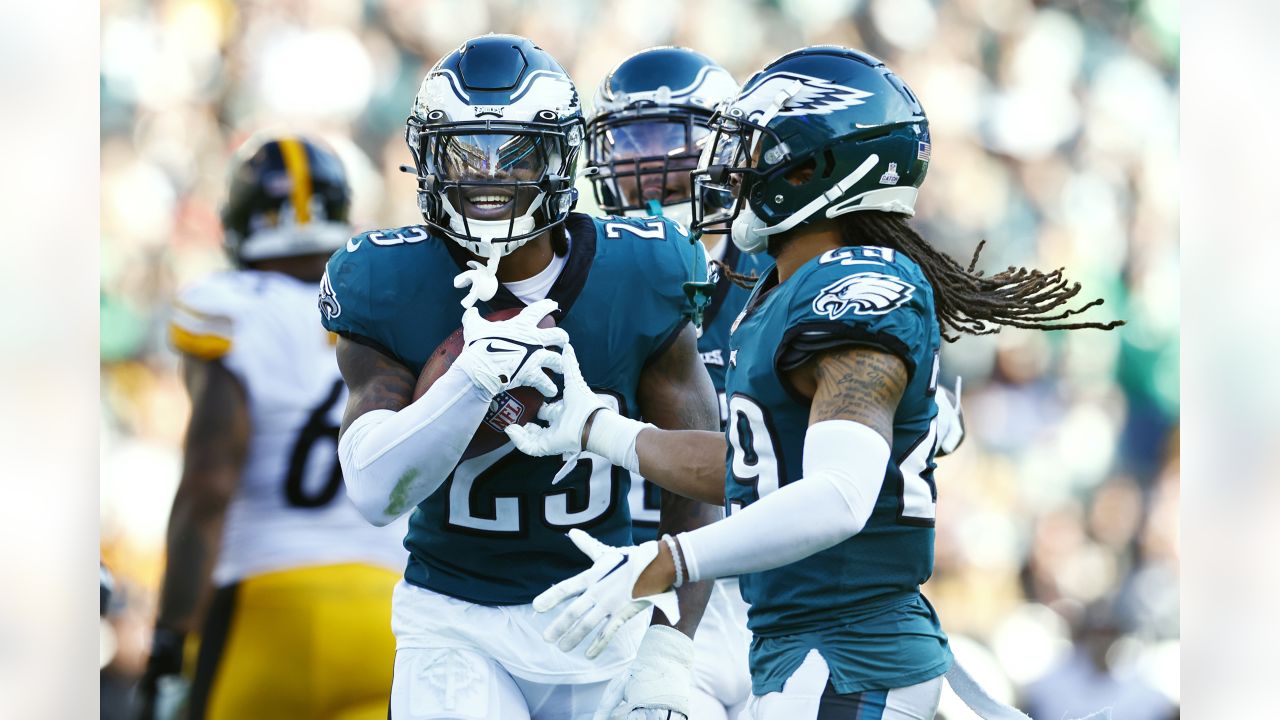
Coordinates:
746	282
970	302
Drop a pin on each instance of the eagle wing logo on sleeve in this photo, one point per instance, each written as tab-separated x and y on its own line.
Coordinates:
805	95
867	293
328	300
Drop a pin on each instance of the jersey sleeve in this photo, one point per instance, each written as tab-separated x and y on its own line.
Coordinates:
346	301
852	301
677	270
204	318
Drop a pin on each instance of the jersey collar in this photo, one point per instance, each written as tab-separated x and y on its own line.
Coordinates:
566	289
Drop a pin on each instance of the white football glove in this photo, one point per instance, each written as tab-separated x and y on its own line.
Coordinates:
657	684
612	435
482	281
950	420
601	594
511	353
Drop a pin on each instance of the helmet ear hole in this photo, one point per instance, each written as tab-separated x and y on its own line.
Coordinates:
828	163
802	173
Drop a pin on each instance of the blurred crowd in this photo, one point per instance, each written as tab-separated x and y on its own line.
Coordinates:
1054	139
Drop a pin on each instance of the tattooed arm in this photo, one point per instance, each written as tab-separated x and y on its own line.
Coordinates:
395	451
857	384
847	446
676	394
375	381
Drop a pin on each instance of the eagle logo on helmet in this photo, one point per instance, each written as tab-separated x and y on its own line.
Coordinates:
798	94
867	293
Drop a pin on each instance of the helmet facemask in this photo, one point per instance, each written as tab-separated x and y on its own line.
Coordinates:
642	159
728	174
493	185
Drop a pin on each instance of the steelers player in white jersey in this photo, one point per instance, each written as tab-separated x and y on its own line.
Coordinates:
298	624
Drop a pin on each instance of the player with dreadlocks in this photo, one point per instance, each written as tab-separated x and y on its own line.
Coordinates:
833	413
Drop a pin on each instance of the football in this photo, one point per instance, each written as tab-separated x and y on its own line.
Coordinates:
516	406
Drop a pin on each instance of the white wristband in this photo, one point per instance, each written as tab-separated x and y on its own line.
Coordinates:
613	437
675	559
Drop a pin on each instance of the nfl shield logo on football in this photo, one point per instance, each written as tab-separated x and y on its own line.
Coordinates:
504	410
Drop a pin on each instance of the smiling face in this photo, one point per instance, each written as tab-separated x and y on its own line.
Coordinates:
496	173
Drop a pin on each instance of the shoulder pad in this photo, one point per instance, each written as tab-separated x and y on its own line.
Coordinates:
859	296
203	318
367	281
862	282
618	227
392	237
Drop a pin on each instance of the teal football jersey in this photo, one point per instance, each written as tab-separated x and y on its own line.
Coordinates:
858	602
494	532
727	300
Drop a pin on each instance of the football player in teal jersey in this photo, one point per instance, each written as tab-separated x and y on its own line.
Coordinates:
495	133
649	124
833	422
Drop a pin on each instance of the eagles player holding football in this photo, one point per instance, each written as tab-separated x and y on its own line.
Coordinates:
495	133
301	583
833	425
649	125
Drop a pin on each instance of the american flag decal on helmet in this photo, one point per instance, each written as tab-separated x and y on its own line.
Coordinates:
922	151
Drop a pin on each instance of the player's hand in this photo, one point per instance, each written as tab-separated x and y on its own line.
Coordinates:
162	690
565	417
950	420
657	684
482	281
511	353
600	596
612	436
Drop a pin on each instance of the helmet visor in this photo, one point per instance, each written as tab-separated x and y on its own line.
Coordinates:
493	156
493	176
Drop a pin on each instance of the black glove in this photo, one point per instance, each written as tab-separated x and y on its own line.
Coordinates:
165	661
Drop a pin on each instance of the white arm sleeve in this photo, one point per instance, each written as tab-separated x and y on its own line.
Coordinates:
844	467
391	461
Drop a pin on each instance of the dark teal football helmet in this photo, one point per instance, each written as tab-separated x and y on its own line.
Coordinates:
495	133
820	132
649	123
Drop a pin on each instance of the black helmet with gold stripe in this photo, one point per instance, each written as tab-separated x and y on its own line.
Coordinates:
289	196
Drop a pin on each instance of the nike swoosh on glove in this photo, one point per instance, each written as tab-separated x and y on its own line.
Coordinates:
601	594
481	281
613	436
511	353
657	684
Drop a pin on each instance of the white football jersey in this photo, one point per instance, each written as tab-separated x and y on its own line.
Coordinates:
291	509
